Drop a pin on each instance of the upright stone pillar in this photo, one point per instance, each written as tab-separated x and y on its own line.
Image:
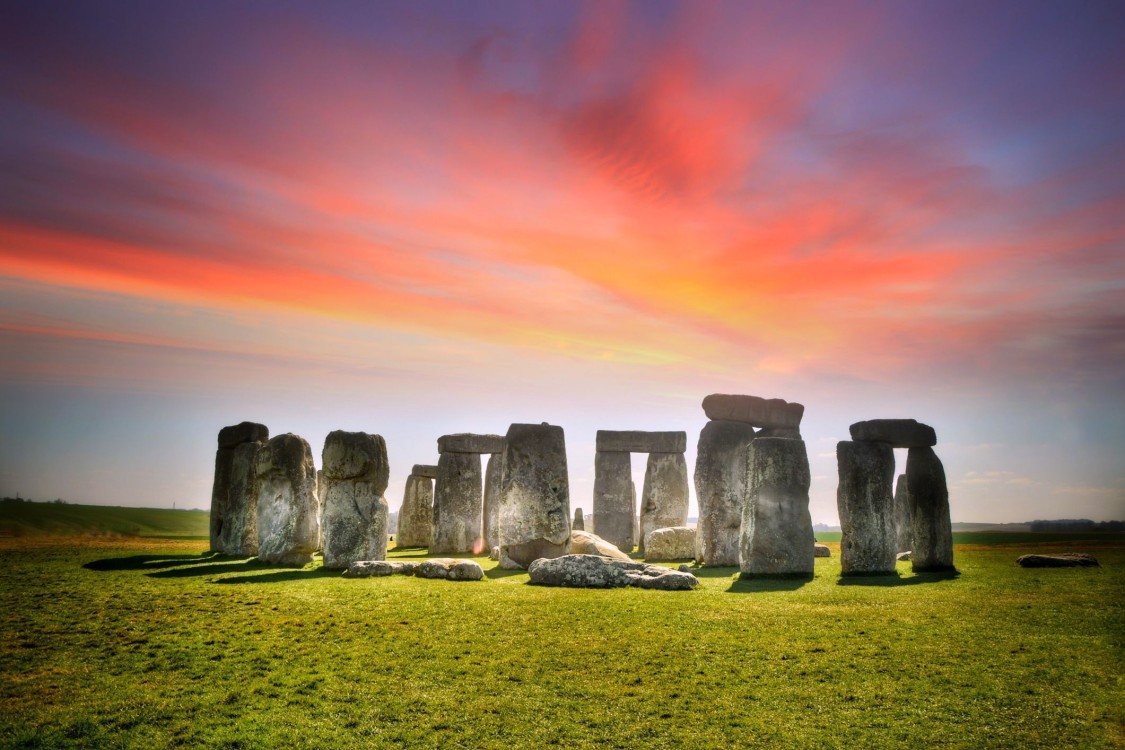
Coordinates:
534	495
929	499
457	504
579	523
286	518
356	473
234	495
664	499
863	498
614	501
720	488
904	525
777	535
416	516
491	512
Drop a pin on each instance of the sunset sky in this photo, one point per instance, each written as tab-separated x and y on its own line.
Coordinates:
421	218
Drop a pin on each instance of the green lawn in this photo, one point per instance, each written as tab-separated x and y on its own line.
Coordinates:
22	519
143	643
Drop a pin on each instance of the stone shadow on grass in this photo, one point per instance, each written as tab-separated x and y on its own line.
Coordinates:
715	571
768	583
280	576
499	572
209	569
151	562
896	579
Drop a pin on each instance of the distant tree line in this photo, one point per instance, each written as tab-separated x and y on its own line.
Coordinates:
18	499
1077	524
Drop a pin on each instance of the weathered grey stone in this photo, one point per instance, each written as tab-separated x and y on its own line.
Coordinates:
494	553
900	433
585	543
904	524
450	569
467	442
1061	560
243	432
720	487
822	550
759	412
416	516
534	495
664	499
592	571
684	568
789	433
579	523
671	543
286	519
777	537
321	491
904	555
614	501
866	508
493	476
234	499
371	568
355	512
638	441
929	509
429	471
457	504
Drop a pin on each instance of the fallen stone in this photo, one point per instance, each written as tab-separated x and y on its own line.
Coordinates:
904	524
458	498
592	571
286	514
759	412
585	543
493	478
720	487
534	495
900	433
416	516
614	501
494	553
664	497
866	508
425	470
684	568
672	543
929	508
903	555
371	568
578	523
234	494
355	512
450	569
777	537
1061	560
467	442
637	441
822	550
243	432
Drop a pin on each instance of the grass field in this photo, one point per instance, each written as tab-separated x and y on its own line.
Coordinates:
22	519
155	643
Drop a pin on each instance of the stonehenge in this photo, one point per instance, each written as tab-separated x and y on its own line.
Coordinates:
579	523
459	492
777	536
929	507
534	495
286	513
863	498
355	512
664	499
415	517
720	486
234	495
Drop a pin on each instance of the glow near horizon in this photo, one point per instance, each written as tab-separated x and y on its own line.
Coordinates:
430	219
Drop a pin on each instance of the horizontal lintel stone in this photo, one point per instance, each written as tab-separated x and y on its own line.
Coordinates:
467	442
754	410
637	441
900	433
424	470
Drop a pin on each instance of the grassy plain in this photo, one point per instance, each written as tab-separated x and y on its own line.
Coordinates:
155	643
22	519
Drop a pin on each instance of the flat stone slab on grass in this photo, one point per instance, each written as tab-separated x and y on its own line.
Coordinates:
900	433
671	543
596	572
467	442
370	568
450	568
1061	560
754	410
637	441
586	543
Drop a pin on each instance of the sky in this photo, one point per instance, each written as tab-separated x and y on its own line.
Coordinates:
415	219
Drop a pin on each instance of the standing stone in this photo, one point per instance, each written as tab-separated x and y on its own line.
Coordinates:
416	516
321	489
777	536
287	530
356	472
863	499
492	479
929	508
579	523
234	495
664	499
457	504
720	488
904	525
614	499
534	495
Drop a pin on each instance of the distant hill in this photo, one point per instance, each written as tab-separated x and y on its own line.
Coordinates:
24	518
